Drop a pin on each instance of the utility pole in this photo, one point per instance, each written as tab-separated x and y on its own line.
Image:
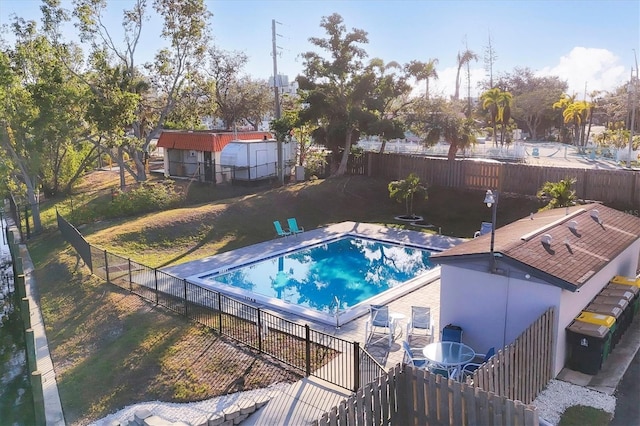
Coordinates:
633	93
276	93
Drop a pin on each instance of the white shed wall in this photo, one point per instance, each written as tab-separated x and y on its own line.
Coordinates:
491	309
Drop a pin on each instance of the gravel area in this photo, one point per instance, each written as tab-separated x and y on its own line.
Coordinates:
558	396
192	412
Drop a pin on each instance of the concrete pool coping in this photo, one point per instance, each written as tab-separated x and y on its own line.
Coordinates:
314	236
191	271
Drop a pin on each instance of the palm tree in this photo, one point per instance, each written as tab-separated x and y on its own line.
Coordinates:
559	193
504	112
562	104
423	71
463	59
405	191
490	100
576	113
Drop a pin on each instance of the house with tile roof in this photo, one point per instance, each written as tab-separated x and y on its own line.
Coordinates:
561	258
196	154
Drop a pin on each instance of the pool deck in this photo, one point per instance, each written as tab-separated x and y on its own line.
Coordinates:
309	398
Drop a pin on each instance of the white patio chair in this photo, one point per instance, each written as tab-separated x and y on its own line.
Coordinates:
420	320
378	319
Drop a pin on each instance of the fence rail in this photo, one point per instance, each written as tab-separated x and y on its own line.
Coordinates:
618	187
312	352
413	396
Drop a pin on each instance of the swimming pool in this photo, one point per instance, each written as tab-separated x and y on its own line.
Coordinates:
327	281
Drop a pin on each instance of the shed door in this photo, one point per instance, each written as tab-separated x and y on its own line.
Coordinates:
208	167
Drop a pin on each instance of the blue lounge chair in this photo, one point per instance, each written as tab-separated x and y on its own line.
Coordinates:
451	333
411	357
281	232
293	226
479	359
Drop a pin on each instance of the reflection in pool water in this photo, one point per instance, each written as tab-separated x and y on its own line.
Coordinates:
349	269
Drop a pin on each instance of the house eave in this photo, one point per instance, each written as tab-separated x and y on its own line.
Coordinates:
502	258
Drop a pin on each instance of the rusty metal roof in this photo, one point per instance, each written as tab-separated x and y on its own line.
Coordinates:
204	140
563	246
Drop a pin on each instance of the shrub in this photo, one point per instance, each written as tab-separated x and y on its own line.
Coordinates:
144	198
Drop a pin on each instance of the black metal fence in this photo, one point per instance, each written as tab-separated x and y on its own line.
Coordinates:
312	352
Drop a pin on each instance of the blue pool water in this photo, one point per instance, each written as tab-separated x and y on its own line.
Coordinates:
349	270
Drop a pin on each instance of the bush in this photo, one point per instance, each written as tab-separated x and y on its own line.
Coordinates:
144	198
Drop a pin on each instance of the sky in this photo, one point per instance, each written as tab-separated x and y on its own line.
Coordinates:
590	44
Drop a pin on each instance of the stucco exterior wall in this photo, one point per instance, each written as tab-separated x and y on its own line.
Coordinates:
492	309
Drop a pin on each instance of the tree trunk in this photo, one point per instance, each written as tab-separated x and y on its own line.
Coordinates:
456	96
120	159
382	146
31	191
342	168
453	150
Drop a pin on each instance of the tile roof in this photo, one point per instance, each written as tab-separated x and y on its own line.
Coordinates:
583	239
204	141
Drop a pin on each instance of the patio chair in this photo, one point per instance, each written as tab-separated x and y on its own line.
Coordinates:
413	357
485	228
452	333
480	359
420	320
293	226
438	369
281	232
379	319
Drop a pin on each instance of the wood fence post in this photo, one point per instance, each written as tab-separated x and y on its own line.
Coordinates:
31	350
38	398
25	312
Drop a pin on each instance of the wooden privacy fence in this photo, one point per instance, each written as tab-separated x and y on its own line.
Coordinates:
311	352
413	396
617	187
522	369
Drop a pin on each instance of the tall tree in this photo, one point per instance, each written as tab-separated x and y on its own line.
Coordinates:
335	89
504	113
423	71
490	58
562	104
463	59
185	29
490	101
442	119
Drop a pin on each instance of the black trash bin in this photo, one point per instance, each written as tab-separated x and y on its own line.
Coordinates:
587	344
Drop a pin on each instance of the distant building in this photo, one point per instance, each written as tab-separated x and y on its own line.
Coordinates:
285	88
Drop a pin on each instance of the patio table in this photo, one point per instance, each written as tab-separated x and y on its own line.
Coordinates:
451	356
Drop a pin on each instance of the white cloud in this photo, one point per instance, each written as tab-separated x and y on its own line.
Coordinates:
598	68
